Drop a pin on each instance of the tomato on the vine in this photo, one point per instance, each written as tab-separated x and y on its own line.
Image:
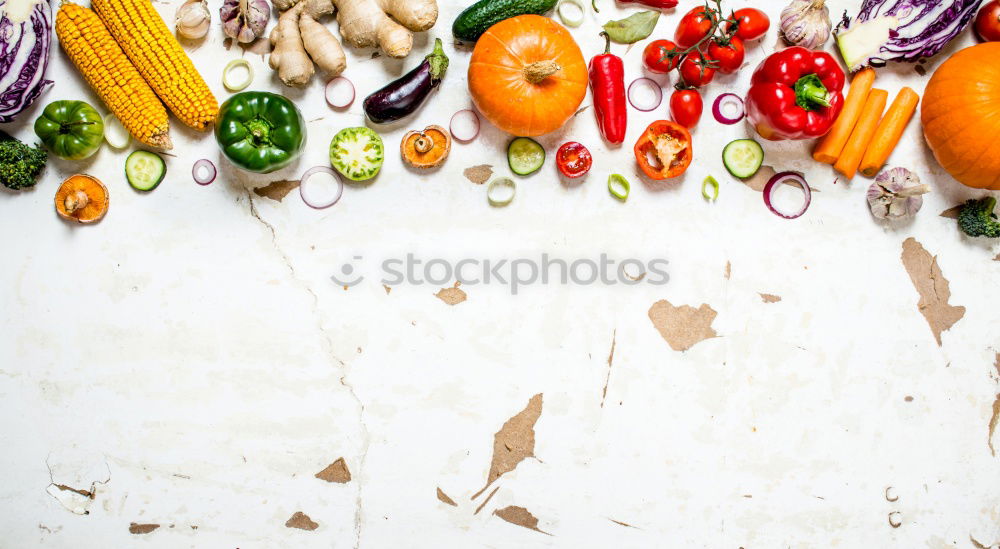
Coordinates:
573	160
988	22
695	71
729	57
654	57
686	107
751	23
694	26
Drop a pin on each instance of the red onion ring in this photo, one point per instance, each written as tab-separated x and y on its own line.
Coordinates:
724	101
209	173
464	125
780	179
339	93
639	105
304	194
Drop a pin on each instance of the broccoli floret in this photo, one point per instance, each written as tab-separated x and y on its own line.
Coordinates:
19	163
977	218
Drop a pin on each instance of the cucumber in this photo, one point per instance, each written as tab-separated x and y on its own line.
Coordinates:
144	170
473	22
743	157
525	156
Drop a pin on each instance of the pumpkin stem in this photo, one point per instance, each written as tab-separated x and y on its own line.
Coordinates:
76	201
540	70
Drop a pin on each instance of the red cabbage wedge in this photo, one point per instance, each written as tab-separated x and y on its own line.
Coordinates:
901	30
25	40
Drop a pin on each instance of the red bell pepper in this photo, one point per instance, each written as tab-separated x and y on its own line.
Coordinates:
664	150
607	82
795	93
657	4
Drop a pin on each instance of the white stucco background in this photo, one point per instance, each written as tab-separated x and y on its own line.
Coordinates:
189	361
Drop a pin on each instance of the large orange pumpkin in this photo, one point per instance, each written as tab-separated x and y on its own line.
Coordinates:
961	116
527	75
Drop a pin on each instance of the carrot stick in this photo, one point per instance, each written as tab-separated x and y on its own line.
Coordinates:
850	157
830	146
889	131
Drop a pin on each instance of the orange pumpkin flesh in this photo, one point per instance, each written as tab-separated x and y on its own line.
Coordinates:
527	75
82	199
961	116
426	149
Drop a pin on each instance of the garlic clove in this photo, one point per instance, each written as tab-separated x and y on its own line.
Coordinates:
192	19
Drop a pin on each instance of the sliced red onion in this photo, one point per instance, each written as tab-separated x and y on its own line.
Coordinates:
648	87
781	179
315	202
728	109
339	93
464	125
204	172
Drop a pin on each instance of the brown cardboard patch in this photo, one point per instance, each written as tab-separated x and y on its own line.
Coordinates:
682	327
514	442
770	298
452	296
301	521
519	516
136	528
336	471
479	174
443	498
932	286
277	190
486	500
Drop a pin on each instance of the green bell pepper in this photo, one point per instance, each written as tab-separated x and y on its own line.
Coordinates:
70	129
259	131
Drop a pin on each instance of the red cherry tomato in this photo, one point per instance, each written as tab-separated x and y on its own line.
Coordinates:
694	26
686	107
752	23
573	160
694	71
729	57
988	22
653	57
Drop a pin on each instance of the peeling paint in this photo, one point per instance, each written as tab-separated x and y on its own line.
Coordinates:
486	500
519	516
514	442
452	296
444	498
932	286
301	521
611	359
136	528
682	327
277	190
770	298
335	472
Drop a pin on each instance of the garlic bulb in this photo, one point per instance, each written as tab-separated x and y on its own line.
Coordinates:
245	20
895	194
193	19
806	23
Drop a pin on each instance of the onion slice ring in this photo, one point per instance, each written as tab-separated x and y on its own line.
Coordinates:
501	191
567	18
464	125
240	85
114	133
781	179
206	167
304	192
339	93
619	187
636	87
728	100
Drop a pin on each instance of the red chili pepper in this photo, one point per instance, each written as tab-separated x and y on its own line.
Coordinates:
795	94
607	82
658	4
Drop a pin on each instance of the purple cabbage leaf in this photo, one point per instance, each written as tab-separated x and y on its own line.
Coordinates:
25	42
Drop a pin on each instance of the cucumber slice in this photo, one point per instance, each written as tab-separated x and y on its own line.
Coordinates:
144	170
743	157
525	156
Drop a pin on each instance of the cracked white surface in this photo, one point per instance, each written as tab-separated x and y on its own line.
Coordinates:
193	344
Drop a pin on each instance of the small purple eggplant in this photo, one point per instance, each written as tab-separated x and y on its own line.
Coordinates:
403	96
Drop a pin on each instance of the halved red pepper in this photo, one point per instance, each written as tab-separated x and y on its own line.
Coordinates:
664	150
796	94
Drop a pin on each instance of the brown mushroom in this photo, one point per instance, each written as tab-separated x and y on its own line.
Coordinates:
82	199
427	148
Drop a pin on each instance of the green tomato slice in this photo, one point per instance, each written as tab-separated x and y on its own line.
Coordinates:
357	153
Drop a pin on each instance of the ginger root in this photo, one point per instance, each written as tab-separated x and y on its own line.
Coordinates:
385	23
299	41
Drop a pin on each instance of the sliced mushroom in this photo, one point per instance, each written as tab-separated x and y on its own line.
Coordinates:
82	199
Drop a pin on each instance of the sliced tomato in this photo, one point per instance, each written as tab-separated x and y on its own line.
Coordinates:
573	160
657	58
695	25
729	57
664	150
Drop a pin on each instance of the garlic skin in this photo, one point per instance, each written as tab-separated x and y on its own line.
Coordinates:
806	23
192	19
896	194
245	20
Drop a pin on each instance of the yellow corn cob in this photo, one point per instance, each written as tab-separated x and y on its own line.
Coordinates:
147	41
103	63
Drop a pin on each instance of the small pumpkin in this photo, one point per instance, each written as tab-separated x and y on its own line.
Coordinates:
427	148
82	199
961	116
527	75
